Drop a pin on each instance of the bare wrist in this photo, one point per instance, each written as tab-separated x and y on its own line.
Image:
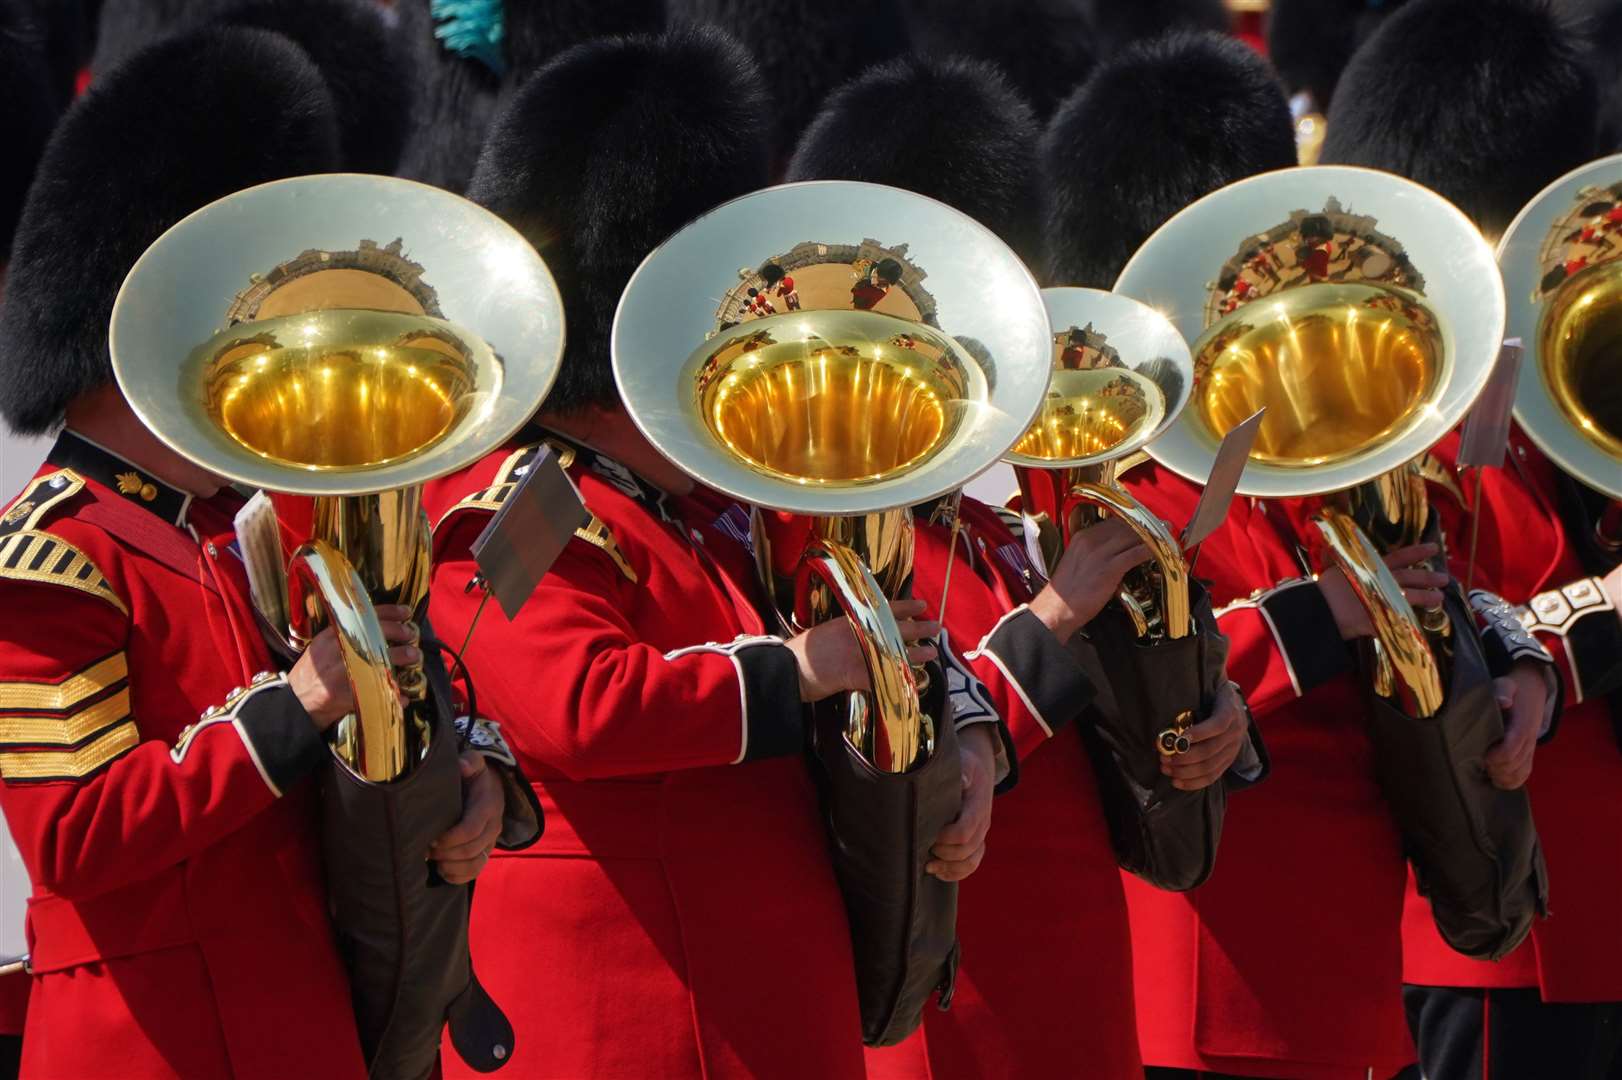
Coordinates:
1057	615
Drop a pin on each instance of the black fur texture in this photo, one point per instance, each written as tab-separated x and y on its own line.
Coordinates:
364	60
1154	129
28	96
455	101
123	166
538	30
605	152
804	50
1484	101
1599	22
1119	23
952	129
125	27
1310	41
1044	46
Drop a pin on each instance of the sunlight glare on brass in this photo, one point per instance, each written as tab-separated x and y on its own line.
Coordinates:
1341	368
1580	353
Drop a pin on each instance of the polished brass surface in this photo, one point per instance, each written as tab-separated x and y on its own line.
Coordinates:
1167	579
830	398
1340	368
1087	413
1580	354
1406	669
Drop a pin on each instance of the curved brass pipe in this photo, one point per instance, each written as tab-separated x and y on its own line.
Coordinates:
1173	610
903	734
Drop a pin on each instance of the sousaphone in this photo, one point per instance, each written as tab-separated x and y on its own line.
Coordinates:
344	339
1366	313
832	354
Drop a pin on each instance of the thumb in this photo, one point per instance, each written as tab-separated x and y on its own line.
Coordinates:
472	764
1504	689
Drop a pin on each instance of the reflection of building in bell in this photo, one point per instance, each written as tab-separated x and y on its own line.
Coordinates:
388	262
869	253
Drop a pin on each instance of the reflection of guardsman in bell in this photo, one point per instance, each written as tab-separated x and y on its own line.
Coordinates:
1317	246
876	285
778	279
759	303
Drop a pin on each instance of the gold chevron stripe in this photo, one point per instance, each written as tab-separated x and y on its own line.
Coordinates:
69	764
65	730
64	695
50	560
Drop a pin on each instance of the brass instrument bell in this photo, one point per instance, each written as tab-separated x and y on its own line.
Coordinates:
345	338
842	352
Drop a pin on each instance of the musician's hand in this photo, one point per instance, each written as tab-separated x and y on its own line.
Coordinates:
320	680
962	844
1524	697
1422	587
1088	576
830	657
1214	744
462	852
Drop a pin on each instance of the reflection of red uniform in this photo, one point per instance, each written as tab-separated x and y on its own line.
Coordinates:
1317	260
1576	785
679	917
1287	962
178	925
864	294
1049	840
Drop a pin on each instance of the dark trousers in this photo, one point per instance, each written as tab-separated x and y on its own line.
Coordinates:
1465	1034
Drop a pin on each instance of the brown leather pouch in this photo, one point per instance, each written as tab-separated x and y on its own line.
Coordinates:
1165	836
881	826
1474	848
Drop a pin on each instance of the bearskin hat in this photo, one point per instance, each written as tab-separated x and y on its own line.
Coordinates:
455	100
952	129
537	30
804	51
26	88
120	169
1045	47
1162	124
125	27
1119	23
605	152
1310	41
1484	101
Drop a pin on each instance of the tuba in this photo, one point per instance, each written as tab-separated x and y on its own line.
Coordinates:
832	354
339	340
1562	264
1366	313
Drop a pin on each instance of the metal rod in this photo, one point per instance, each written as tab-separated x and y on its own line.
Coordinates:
477	582
1475	532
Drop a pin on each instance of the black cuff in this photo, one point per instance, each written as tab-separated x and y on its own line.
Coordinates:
1582	614
968	703
1233	779
1504	640
281	735
1047	675
1306	633
773	715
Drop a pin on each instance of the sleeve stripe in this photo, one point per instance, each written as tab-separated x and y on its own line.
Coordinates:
25	556
69	764
1024	698
66	731
64	695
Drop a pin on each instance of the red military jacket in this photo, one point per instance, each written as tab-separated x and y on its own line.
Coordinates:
1525	555
178	923
1287	962
1045	910
679	917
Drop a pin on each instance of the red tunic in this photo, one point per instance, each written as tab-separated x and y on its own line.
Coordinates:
178	921
1287	962
1576	953
1045	988
679	917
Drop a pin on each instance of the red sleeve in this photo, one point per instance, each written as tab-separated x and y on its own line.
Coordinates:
91	803
576	690
1036	684
1283	642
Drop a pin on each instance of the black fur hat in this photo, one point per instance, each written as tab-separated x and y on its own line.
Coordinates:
605	152
1119	23
455	100
537	30
952	129
1484	101
1162	124
124	27
30	100
123	166
1045	47
804	50
1600	24
1310	41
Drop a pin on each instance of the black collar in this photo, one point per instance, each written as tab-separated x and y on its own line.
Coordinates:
74	451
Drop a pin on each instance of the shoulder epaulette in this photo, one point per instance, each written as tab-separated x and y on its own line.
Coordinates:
597	534
1013	520
507	479
27	553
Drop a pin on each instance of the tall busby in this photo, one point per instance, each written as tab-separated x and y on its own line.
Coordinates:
1153	129
535	31
804	50
29	95
1119	23
458	78
1310	41
180	124
607	150
952	129
1484	101
1600	23
1045	47
125	27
